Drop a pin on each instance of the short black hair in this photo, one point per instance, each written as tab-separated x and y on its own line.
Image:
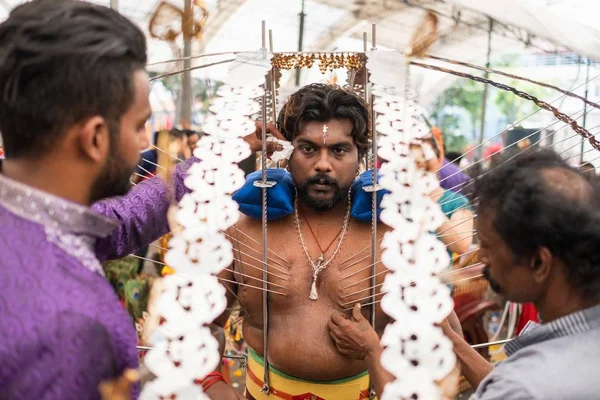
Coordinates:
191	132
176	134
454	156
62	61
320	102
538	200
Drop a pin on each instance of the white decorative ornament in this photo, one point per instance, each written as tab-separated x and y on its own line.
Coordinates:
189	300
416	352
285	153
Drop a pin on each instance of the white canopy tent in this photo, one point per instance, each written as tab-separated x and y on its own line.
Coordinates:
566	23
520	26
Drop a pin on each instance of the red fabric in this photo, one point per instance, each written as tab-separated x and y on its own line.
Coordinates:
492	149
210	380
528	313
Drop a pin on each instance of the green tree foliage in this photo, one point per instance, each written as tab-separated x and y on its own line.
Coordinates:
463	98
514	108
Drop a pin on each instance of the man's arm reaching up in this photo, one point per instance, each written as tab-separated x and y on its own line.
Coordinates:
142	214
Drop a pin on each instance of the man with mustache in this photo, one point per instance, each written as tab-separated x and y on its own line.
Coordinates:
538	226
319	255
329	130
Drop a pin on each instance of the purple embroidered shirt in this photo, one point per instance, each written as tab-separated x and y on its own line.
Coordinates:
62	328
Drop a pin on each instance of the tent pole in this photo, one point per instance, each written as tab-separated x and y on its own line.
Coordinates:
300	41
587	84
484	95
186	88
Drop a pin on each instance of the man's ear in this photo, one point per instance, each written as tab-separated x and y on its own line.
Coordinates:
94	138
541	264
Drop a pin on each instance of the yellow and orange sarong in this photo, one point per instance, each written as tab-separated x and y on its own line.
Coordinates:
287	387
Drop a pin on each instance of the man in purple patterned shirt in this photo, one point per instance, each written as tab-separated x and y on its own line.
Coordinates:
73	107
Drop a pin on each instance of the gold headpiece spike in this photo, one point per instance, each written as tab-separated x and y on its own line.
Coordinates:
423	37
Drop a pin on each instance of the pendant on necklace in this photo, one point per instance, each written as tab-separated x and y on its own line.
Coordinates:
313	288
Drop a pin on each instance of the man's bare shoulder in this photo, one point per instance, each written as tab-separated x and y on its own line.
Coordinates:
245	221
364	225
251	225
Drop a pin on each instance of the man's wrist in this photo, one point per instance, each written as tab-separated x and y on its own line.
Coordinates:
374	353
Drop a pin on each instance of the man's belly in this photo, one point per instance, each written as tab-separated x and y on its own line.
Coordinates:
299	343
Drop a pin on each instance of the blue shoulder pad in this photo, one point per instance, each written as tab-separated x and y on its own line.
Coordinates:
280	198
362	201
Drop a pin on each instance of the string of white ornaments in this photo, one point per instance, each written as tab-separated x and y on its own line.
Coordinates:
190	299
416	351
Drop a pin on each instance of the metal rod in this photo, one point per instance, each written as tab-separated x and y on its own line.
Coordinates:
374	36
365	71
587	81
256	251
223	356
365	79
165	152
373	194
273	81
374	243
192	69
484	95
146	171
366	279
472	181
191	58
265	249
515	124
153	163
266	283
359	271
358	291
246	264
364	298
257	242
477	346
252	286
300	41
356	262
186	86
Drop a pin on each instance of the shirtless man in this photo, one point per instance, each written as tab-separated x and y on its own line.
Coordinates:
329	128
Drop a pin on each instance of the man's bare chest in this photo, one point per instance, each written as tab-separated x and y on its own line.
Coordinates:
350	275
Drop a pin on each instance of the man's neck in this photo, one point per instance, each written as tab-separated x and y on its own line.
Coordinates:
553	306
47	177
337	212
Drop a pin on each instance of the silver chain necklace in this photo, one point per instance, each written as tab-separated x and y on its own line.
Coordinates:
321	264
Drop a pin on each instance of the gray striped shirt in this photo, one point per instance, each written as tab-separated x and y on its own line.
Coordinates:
555	361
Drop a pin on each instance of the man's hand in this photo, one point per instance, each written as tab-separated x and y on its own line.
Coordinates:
254	140
354	337
120	388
